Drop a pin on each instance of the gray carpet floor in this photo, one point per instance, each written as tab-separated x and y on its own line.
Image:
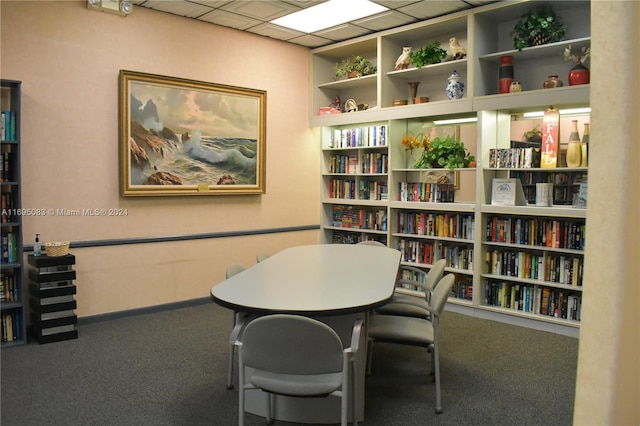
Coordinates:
169	368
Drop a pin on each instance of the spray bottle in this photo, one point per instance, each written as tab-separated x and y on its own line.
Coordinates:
37	247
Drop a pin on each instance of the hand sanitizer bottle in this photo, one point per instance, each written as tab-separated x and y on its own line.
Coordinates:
37	247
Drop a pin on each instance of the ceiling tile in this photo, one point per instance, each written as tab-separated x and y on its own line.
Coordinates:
228	19
430	9
385	20
263	10
310	40
342	32
274	31
182	8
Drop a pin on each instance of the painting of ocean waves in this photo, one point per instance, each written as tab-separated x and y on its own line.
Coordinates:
183	137
208	159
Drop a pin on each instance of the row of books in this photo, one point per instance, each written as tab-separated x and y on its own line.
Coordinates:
9	247
345	237
567	234
551	268
427	192
462	289
8	126
450	225
516	158
359	137
361	190
534	299
556	178
11	326
6	169
10	291
375	163
347	216
347	164
426	253
8	203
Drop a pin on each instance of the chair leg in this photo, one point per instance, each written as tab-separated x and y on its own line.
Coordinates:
369	356
230	368
269	407
436	363
241	391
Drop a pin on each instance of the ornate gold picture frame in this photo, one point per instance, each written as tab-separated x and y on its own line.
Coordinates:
186	137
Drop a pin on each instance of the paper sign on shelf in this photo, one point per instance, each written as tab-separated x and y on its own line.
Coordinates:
550	141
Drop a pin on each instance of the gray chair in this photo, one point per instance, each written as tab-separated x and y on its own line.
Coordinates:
294	355
262	256
233	269
415	331
371	243
410	305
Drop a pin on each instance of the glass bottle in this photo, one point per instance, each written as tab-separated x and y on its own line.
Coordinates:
585	145
574	148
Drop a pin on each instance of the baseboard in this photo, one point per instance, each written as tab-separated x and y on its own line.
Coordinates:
143	311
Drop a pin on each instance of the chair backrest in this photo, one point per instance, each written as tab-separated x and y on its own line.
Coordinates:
441	293
435	274
371	243
262	256
291	344
235	268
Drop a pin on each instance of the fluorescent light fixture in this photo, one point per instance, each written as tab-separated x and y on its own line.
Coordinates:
328	14
456	120
569	111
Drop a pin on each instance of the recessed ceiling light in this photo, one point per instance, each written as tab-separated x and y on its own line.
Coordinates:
328	14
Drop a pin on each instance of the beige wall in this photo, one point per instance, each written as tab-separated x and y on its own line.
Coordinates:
68	58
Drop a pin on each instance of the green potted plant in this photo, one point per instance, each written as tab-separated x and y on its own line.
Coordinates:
355	66
536	27
432	53
445	152
533	135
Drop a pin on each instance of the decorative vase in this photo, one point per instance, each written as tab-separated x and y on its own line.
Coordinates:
579	75
505	74
574	147
455	88
585	145
515	87
413	85
552	82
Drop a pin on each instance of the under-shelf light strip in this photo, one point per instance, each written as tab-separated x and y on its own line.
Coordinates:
456	120
536	114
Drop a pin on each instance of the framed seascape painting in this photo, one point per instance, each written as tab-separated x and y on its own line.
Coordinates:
185	137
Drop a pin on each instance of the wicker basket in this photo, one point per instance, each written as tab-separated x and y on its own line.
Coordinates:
57	249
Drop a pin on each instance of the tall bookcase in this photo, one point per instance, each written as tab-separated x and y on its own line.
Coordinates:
12	269
488	283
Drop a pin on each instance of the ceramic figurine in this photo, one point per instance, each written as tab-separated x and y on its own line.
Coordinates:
455	88
457	51
403	60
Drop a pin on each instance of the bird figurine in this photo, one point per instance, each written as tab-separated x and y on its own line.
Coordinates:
403	60
457	51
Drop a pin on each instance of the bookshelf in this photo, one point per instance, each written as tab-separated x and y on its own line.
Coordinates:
13	291
480	289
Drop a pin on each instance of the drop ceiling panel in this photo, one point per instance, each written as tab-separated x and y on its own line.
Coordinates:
262	10
254	16
385	20
274	31
228	19
182	8
431	9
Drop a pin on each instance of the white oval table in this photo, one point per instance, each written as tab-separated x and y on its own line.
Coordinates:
336	283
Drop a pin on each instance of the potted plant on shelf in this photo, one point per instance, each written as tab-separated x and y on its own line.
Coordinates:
445	152
432	53
355	66
536	27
